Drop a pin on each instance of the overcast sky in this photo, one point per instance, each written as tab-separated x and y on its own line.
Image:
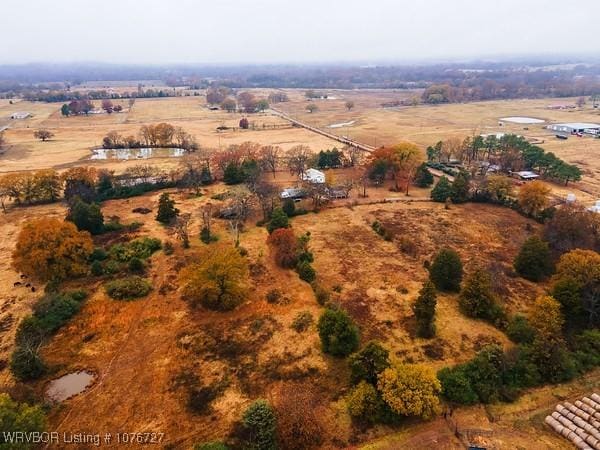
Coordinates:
236	31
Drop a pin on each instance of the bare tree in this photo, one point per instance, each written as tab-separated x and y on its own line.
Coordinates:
43	134
206	212
298	158
353	155
268	157
182	228
196	170
349	105
267	194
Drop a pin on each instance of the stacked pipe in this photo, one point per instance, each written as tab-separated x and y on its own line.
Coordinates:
579	422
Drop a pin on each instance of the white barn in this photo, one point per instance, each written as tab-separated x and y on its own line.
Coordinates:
313	176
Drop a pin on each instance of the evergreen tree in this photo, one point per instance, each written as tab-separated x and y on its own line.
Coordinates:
477	299
289	207
442	190
233	174
86	217
461	187
423	177
446	270
534	260
424	309
339	335
279	219
166	209
259	419
368	363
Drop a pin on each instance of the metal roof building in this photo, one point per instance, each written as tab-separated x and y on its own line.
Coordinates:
573	127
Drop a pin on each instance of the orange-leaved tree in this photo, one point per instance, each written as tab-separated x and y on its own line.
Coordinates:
285	247
50	249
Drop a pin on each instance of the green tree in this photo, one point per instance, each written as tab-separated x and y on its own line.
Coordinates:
442	190
364	402
423	177
461	187
19	417
166	209
534	261
65	110
424	309
279	219
289	207
86	217
456	385
477	299
369	362
446	271
259	419
519	330
339	335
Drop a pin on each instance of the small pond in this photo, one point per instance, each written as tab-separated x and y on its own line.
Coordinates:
137	153
69	385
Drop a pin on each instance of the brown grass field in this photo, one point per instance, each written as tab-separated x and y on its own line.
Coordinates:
143	351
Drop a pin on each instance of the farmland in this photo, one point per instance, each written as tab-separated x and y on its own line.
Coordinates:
151	357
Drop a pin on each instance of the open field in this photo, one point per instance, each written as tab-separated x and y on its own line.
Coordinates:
146	346
367	122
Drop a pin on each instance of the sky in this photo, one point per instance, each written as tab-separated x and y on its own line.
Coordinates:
300	31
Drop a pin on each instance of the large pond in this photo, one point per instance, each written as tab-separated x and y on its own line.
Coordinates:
137	153
69	385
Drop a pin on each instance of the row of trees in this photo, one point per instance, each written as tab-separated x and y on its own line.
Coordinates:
245	101
156	135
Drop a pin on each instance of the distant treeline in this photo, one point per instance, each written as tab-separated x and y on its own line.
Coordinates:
444	82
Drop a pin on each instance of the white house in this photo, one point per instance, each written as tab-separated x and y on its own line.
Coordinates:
313	176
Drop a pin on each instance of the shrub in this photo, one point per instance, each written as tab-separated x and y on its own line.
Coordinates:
289	207
168	248
99	254
279	219
273	296
302	321
97	269
128	288
321	294
136	265
206	236
141	248
368	363
456	385
259	420
166	209
424	309
519	330
215	445
26	364
477	300
20	418
285	247
112	267
534	260
410	390
446	271
306	272
339	336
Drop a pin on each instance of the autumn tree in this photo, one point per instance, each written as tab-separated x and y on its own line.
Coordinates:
167	211
298	158
406	157
215	96
410	390
533	197
80	182
268	158
216	279
339	335
229	105
285	247
43	134
572	226
498	187
248	101
549	351
298	417
424	310
107	105
576	285
534	261
181	226
446	271
49	249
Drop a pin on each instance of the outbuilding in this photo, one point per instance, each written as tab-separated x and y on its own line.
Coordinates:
526	175
575	127
20	115
313	176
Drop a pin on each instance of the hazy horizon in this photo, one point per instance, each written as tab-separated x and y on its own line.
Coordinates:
310	32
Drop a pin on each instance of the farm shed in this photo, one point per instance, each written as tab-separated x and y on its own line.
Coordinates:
313	176
574	127
526	175
20	115
292	193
